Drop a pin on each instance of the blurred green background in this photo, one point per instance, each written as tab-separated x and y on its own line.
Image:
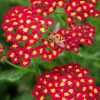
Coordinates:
17	84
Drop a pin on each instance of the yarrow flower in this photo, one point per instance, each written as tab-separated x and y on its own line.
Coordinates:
2	57
75	9
24	29
68	82
1	49
27	29
69	40
81	9
45	7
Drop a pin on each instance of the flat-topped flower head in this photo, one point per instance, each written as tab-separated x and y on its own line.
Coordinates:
24	29
68	40
2	57
68	82
1	49
29	30
45	7
81	9
75	9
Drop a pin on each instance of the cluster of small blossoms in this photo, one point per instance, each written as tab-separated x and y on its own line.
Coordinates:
67	82
75	9
1	49
24	29
81	9
2	57
45	7
70	40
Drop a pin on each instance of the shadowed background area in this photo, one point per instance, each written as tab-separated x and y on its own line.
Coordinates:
16	84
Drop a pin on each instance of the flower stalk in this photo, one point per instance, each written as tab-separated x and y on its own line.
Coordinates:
20	67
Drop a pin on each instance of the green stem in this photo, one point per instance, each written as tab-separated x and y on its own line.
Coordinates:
91	57
60	19
36	67
19	67
72	57
59	13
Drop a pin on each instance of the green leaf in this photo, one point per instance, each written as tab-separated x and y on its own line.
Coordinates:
20	2
25	96
11	75
97	64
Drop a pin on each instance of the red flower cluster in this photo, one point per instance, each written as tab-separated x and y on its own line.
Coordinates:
75	9
2	57
68	40
67	82
1	49
81	9
24	29
45	7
